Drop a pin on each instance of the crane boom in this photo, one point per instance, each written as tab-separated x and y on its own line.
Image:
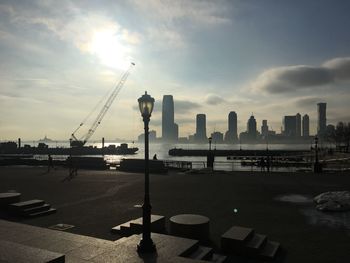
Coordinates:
102	113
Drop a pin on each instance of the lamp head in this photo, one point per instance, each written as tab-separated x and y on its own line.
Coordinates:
146	104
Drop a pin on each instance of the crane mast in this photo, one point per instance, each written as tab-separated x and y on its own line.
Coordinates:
79	143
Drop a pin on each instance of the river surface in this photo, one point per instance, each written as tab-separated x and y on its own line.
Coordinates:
162	149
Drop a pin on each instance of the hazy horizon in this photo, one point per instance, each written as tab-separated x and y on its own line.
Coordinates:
269	58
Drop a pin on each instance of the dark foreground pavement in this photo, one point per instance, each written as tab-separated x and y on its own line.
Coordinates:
276	204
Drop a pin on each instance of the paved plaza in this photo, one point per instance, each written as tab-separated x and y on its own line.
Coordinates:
276	204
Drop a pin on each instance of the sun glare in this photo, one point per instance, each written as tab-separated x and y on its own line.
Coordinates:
106	46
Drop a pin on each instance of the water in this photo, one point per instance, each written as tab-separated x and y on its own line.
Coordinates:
162	149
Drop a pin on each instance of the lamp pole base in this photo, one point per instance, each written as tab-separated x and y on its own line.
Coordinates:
317	167
146	246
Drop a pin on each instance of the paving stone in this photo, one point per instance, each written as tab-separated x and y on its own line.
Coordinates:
25	204
36	209
270	250
217	258
202	253
64	245
234	239
14	252
9	198
43	213
86	252
256	243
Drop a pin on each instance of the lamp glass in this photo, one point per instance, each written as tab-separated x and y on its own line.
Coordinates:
146	104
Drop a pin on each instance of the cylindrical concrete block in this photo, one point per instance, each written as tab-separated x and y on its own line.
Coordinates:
190	226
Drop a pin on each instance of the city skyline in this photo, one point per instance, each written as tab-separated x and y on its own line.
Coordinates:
58	59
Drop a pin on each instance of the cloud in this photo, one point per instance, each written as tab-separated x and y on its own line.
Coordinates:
213	99
301	77
168	21
184	106
340	67
307	102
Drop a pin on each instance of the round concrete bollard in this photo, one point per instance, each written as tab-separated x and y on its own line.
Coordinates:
190	226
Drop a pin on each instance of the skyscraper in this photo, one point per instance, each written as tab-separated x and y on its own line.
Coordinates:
201	133
321	120
306	126
290	126
231	134
169	127
251	128
298	125
264	129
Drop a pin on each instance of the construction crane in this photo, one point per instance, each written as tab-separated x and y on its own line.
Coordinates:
74	142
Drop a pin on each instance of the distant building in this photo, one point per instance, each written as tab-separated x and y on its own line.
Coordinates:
231	134
290	126
251	128
298	125
264	129
152	136
217	137
322	119
330	132
201	132
306	126
169	127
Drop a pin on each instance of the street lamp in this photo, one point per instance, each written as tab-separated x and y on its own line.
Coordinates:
317	165
146	245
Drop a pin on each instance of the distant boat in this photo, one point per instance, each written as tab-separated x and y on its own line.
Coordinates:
46	140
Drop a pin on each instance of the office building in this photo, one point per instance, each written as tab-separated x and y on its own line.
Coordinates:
169	127
264	129
251	128
298	125
306	126
290	126
321	119
201	132
217	137
231	134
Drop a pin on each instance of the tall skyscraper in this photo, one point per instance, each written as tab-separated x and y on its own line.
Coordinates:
298	124
306	126
322	119
201	130
264	129
231	134
169	127
251	128
290	126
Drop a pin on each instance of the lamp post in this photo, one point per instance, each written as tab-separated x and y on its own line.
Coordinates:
146	245
317	165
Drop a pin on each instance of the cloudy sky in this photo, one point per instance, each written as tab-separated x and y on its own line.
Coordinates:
269	58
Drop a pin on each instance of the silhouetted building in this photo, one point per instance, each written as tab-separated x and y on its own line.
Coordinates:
231	134
298	125
152	136
217	137
264	129
251	128
306	126
330	132
322	119
169	127
201	131
290	126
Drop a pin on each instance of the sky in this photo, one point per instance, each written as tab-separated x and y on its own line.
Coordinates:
58	59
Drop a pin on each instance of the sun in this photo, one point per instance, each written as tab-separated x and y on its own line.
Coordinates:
109	50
